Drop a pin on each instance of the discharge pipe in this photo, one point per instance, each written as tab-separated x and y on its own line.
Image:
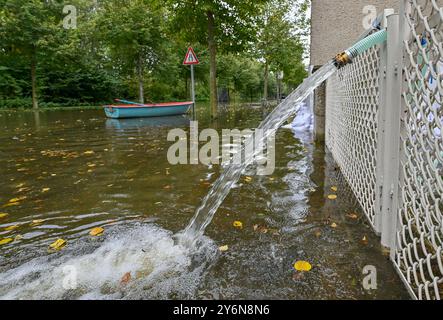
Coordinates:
357	49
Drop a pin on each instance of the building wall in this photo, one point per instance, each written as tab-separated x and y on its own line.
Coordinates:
337	24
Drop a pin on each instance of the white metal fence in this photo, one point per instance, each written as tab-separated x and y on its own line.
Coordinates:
384	124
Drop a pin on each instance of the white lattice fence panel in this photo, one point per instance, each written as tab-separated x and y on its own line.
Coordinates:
352	104
418	253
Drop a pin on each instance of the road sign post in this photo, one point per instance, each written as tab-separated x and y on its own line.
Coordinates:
193	88
191	60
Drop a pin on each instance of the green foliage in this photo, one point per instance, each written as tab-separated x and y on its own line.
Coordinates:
235	21
278	43
119	44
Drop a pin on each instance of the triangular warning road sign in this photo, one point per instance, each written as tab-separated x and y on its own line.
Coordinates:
191	57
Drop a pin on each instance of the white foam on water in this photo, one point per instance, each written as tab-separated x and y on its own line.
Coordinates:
303	124
159	268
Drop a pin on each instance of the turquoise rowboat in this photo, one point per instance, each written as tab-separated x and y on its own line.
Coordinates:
147	110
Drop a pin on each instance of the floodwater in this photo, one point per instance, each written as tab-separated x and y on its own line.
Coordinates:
67	172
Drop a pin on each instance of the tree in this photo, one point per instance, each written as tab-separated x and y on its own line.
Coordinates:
278	44
25	26
133	30
228	26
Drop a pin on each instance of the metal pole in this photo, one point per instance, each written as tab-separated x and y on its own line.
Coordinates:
193	90
391	152
381	123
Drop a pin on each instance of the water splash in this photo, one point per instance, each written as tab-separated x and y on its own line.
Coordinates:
93	268
219	191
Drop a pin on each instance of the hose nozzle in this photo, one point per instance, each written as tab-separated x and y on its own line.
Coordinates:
342	59
360	47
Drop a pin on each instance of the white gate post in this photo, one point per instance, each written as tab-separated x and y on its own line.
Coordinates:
391	149
381	126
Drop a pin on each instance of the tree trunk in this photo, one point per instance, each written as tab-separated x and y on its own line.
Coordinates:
34	81
266	76
141	90
212	64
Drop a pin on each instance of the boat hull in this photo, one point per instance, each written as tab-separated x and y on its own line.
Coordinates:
156	110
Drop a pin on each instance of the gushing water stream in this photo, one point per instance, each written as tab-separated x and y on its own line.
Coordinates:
219	191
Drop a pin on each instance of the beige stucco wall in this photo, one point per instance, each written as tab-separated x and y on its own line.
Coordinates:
337	24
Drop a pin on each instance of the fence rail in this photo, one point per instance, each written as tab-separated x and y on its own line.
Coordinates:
384	124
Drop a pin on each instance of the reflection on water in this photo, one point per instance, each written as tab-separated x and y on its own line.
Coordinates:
74	171
169	122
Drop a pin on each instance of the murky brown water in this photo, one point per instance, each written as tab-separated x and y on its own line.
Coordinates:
70	171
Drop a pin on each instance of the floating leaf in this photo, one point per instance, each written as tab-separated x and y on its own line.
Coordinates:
260	228
6	241
302	266
334	188
248	179
10	228
126	278
334	225
16	199
96	231
3	215
57	245
11	204
352	216
332	197
36	222
223	248
88	152
364	240
238	224
46	189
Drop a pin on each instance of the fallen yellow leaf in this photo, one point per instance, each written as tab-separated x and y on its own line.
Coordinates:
332	197
88	152
302	266
3	215
238	224
96	231
37	221
10	228
248	179
223	248
11	204
352	216
6	241
334	188
334	225
57	245
364	240
16	200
